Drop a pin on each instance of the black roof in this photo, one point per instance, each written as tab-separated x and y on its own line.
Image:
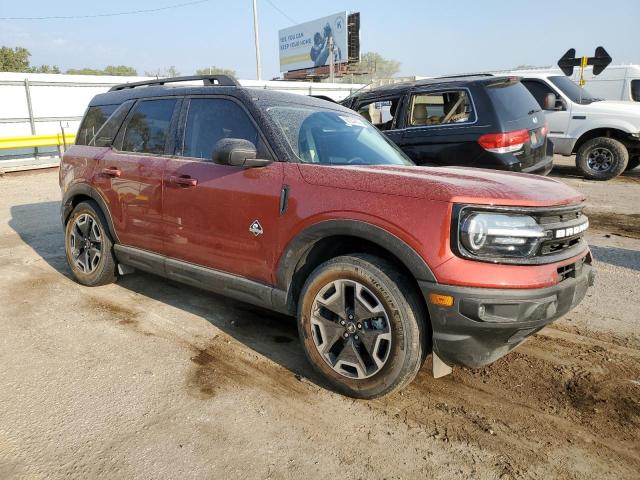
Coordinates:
446	82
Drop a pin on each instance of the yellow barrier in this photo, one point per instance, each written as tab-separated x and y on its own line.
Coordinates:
37	141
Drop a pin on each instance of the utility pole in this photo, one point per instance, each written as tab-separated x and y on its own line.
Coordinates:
332	71
257	40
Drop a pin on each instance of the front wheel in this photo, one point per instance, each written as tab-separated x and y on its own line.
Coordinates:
602	158
362	325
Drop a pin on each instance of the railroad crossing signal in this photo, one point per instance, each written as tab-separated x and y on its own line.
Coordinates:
600	61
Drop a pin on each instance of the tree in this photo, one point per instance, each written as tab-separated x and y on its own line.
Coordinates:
14	59
213	70
163	72
376	67
119	70
44	69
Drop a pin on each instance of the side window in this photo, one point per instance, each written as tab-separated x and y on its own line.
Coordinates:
380	113
209	120
108	131
441	108
538	89
148	126
635	90
92	121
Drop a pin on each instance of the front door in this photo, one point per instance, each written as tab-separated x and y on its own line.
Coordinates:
558	117
220	216
129	175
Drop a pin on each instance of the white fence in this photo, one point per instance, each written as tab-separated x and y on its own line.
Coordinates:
39	104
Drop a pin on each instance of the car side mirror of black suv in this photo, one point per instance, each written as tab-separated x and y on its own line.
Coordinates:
237	152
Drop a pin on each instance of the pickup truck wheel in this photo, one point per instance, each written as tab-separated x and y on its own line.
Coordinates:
89	247
602	158
633	163
362	326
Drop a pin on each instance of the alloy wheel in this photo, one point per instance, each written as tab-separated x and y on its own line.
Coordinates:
351	329
600	159
85	243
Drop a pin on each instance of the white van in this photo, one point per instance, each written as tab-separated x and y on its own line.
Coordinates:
617	82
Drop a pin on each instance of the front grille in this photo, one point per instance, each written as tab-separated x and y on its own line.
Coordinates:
561	221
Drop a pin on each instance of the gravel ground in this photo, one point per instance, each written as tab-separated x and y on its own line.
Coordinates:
147	378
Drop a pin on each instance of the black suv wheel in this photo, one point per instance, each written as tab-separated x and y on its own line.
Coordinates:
362	326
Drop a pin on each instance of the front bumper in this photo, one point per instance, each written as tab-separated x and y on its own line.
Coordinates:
484	324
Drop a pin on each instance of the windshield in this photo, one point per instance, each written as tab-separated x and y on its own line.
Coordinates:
573	91
329	137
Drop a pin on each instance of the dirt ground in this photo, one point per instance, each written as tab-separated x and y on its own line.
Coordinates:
147	378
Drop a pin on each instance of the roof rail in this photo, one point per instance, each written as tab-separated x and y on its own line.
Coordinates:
209	80
463	75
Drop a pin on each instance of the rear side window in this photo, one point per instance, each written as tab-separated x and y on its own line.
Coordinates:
512	101
209	120
635	90
380	113
148	126
104	137
92	121
441	108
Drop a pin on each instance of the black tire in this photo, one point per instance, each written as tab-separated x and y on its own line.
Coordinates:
633	163
405	319
602	158
91	270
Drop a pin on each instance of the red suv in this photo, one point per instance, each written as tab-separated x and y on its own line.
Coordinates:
302	206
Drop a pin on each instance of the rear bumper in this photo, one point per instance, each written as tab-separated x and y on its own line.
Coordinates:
484	324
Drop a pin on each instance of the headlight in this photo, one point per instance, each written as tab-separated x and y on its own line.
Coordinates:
499	235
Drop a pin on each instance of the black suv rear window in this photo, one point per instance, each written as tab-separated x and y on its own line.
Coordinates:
512	101
92	121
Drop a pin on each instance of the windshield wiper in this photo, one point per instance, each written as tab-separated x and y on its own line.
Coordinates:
531	112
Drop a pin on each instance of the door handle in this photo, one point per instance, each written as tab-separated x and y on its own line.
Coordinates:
183	181
111	172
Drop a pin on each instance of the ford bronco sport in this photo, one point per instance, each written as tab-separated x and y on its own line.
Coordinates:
471	121
300	206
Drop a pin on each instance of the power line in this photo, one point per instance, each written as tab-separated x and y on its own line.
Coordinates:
115	14
281	12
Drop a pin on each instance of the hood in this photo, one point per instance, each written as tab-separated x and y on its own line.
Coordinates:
613	108
456	184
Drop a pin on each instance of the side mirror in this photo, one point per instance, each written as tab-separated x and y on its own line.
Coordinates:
553	102
550	101
237	152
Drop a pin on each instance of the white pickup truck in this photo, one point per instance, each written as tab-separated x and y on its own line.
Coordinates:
604	134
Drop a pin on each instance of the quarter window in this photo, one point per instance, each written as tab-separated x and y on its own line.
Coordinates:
441	108
148	126
93	120
108	131
209	120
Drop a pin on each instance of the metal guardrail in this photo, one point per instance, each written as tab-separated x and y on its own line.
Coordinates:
32	141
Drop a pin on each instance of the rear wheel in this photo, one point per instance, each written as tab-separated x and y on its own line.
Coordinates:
362	325
633	163
89	247
602	158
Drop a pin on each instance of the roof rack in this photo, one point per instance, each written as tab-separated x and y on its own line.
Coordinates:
463	75
208	80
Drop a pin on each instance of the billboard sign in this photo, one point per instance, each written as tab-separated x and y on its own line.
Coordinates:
307	45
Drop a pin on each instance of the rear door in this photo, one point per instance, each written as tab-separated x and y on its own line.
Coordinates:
440	127
129	175
209	209
383	113
516	110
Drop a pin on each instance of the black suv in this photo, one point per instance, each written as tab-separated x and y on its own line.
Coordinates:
475	121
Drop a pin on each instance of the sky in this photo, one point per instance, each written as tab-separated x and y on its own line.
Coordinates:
427	37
